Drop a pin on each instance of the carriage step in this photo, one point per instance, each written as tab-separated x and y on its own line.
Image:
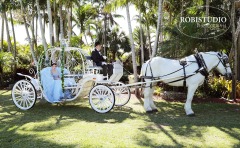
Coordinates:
73	75
70	87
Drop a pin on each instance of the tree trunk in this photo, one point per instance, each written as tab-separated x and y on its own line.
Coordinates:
56	22
2	32
141	37
44	43
205	28
36	28
61	23
44	22
50	23
182	8
149	40
86	38
132	48
8	35
105	28
69	24
158	28
104	35
234	46
238	58
34	41
14	45
28	35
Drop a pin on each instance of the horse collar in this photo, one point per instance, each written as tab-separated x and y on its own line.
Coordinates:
201	64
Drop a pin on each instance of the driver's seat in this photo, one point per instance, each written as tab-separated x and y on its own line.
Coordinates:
92	68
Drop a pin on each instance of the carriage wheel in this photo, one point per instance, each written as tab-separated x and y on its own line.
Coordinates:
101	98
122	94
24	94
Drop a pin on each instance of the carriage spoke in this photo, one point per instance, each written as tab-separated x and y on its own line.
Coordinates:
98	91
17	92
19	88
23	85
21	102
124	90
18	97
28	102
25	103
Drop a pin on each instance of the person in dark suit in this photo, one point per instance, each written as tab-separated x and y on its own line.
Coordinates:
100	60
97	57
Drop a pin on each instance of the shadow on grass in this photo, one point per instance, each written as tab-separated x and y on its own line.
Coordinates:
224	117
170	120
10	122
13	119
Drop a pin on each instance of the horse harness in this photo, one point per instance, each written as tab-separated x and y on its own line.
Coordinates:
202	69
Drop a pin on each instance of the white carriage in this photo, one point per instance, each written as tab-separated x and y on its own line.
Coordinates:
86	81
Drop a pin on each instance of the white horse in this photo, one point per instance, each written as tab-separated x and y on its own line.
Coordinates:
196	68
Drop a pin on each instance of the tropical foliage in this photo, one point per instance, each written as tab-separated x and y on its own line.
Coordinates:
218	86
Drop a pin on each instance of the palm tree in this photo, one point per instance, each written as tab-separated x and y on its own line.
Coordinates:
50	23
7	30
122	3
69	6
44	43
28	35
14	37
2	31
61	21
149	18
84	17
116	40
141	38
56	20
132	44
140	7
158	27
141	43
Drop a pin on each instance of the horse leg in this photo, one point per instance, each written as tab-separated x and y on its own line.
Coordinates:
152	105
188	104
147	94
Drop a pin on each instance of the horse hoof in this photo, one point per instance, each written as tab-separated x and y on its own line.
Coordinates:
149	111
154	110
191	115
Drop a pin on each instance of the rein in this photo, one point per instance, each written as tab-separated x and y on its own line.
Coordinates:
159	77
152	77
202	69
222	60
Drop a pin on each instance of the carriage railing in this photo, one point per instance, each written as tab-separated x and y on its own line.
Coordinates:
74	59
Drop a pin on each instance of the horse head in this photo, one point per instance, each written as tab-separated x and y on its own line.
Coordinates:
223	65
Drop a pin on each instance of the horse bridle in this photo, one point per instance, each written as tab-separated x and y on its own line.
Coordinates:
224	61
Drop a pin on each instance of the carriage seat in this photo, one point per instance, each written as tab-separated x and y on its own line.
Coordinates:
92	68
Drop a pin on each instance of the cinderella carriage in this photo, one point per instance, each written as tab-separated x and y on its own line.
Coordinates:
78	79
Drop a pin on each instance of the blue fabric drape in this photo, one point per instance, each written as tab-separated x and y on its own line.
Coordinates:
52	89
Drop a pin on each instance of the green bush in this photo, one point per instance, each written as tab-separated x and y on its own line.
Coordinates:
218	87
157	90
6	61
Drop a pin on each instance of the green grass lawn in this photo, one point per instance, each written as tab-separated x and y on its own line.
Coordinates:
77	125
